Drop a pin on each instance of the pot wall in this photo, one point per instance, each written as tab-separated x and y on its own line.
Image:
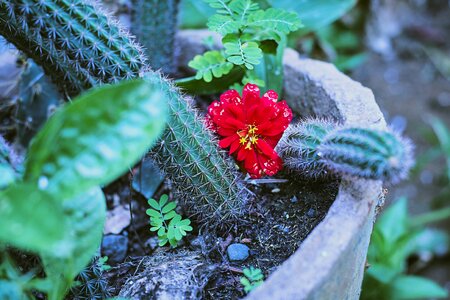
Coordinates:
329	264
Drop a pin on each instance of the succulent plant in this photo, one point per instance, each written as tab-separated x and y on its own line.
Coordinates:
90	283
317	148
154	23
79	47
298	147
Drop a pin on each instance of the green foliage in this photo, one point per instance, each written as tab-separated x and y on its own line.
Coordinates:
394	239
75	43
58	211
211	63
169	225
317	147
245	28
88	137
252	279
9	164
154	23
101	52
90	283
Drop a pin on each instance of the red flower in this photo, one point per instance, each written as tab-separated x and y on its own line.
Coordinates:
251	127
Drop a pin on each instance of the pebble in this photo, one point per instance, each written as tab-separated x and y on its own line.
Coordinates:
238	252
115	247
311	213
294	199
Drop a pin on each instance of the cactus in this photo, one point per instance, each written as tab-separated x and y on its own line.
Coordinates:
38	98
90	283
366	153
104	53
189	155
154	22
73	41
298	147
318	148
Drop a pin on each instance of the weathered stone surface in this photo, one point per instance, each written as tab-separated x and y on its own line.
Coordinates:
115	247
168	275
237	252
329	264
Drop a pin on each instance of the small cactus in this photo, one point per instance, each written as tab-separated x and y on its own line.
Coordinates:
366	153
90	283
154	22
38	98
318	149
298	147
80	47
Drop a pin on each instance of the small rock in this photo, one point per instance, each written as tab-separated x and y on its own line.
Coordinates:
311	213
152	242
237	252
117	220
147	178
294	199
115	247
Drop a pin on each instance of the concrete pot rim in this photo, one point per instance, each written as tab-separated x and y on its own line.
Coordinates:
311	272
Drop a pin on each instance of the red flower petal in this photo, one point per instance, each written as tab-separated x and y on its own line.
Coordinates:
250	94
266	149
226	142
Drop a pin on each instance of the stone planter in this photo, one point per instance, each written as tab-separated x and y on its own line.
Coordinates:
329	264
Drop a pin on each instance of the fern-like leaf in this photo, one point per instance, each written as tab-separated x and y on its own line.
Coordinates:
243	8
240	51
278	20
223	24
222	6
210	64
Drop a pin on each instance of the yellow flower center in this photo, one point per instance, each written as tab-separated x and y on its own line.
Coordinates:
248	137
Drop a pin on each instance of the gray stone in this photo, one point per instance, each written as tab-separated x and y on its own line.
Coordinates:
238	252
115	247
311	213
147	178
164	275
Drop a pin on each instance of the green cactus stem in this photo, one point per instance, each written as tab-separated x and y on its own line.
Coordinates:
80	47
74	41
366	153
298	147
154	22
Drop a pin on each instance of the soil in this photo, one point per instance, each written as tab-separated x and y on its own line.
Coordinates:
280	217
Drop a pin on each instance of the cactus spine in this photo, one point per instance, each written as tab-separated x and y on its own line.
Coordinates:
367	153
93	50
73	41
317	148
154	22
193	162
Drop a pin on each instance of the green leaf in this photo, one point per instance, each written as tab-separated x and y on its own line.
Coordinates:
242	8
415	287
393	223
315	13
7	175
382	273
153	203
86	214
194	13
170	215
97	137
217	85
153	213
223	24
170	206
163	200
278	20
32	219
221	6
240	51
210	64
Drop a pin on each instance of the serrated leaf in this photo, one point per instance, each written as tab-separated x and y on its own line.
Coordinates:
223	24
170	206
278	20
210	64
93	143
240	51
26	221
